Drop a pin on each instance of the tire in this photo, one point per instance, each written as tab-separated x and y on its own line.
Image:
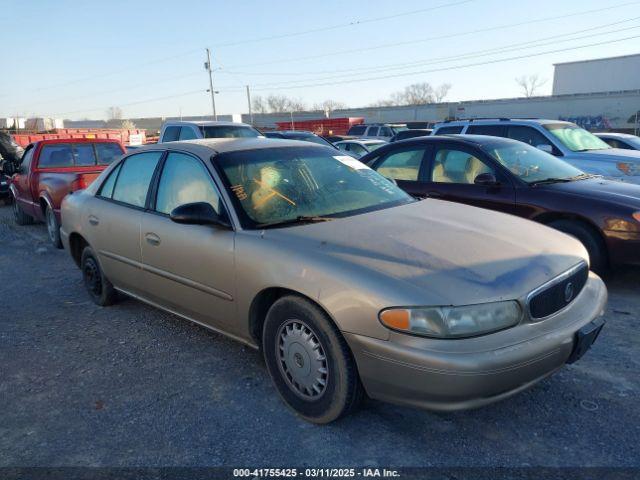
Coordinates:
99	288
19	216
594	244
53	228
315	374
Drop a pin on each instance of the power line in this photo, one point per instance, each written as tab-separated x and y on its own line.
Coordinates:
489	62
472	54
341	25
439	37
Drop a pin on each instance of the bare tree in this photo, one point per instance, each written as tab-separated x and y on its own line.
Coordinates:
441	92
296	105
416	94
328	106
114	113
278	103
530	84
128	125
259	105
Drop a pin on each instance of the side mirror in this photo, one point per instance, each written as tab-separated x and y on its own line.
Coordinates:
392	180
198	213
486	179
545	147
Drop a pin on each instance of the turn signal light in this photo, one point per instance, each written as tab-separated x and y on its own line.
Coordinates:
637	216
396	318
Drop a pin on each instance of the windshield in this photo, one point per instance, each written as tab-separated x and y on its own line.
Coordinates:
228	131
275	185
529	163
575	138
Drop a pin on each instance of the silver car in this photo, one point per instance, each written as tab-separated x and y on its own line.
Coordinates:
347	284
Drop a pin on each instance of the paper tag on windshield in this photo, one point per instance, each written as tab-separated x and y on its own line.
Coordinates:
351	162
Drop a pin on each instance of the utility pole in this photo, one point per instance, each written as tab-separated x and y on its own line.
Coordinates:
249	102
207	66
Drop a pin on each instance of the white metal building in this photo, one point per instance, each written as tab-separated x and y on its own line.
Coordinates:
599	75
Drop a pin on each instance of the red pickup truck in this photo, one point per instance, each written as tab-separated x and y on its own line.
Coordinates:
51	169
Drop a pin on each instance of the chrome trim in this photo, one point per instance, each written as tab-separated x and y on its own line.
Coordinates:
549	284
187	282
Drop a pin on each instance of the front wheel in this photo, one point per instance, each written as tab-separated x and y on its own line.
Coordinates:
53	228
309	361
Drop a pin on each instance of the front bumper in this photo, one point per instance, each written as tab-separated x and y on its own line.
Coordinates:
623	247
468	373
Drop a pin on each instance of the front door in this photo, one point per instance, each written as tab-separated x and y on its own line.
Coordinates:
188	269
452	174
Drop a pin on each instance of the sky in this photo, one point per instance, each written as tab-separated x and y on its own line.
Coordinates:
75	59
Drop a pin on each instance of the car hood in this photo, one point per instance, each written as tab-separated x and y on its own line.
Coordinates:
438	252
621	193
611	153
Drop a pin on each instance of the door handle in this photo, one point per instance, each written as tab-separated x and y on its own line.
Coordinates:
152	239
93	220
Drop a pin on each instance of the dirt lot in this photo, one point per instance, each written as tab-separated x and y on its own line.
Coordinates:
132	386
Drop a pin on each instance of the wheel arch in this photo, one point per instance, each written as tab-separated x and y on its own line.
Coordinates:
77	243
263	301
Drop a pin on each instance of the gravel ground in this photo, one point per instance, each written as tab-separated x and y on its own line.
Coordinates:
129	385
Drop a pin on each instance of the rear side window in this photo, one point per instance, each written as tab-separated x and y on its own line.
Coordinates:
403	165
385	132
134	179
171	134
453	130
57	155
106	190
357	130
373	132
107	152
187	133
493	130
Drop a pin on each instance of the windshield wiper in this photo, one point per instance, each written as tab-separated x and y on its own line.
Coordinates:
549	181
293	221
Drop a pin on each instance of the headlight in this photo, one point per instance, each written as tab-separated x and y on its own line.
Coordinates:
453	322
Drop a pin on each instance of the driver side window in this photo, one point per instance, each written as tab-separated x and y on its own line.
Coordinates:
457	166
185	180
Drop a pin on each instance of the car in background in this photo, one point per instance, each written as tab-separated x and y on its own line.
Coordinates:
337	138
359	148
411	133
624	141
516	178
565	140
50	170
173	131
344	282
10	155
381	131
299	135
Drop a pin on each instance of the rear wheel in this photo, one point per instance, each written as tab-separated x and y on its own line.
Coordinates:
53	228
19	216
309	361
99	288
590	239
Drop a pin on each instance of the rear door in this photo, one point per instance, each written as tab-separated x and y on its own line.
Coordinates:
188	269
451	176
113	219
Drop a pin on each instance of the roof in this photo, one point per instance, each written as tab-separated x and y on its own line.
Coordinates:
614	135
205	123
207	146
604	59
491	121
366	141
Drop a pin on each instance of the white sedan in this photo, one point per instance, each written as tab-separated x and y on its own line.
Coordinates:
359	148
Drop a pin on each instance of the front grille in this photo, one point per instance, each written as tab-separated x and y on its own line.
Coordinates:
559	293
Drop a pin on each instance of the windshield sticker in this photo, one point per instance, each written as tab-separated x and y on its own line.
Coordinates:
351	162
239	191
